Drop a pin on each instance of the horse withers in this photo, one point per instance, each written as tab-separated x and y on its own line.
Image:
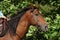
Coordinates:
18	25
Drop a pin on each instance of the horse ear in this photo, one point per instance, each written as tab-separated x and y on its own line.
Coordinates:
38	6
31	5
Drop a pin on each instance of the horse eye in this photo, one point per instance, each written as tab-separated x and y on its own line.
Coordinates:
36	14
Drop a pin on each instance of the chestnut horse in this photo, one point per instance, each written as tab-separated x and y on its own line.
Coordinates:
18	25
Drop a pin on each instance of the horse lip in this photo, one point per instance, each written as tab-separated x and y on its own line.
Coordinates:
39	27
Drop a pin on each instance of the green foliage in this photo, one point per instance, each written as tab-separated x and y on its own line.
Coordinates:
50	10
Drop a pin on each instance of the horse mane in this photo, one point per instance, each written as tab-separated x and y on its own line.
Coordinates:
14	21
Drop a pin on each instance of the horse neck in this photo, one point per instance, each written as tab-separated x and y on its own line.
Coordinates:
23	26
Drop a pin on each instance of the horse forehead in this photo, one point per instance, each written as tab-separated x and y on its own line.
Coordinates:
36	11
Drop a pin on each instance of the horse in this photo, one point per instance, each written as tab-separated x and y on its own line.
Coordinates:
19	24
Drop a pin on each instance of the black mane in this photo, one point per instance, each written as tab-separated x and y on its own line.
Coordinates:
14	21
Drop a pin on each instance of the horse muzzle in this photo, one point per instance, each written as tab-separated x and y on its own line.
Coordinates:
43	27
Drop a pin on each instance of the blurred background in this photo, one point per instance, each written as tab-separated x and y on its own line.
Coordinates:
50	10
